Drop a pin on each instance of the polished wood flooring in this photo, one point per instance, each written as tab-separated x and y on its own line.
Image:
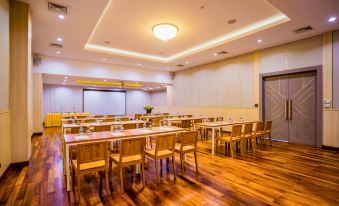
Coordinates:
285	174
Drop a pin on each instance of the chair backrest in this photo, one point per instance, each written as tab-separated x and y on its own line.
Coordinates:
81	117
130	126
236	131
156	121
189	138
164	114
185	123
109	120
248	128
259	127
123	118
69	121
102	128
164	142
137	116
211	119
197	121
89	120
98	116
109	115
132	147
92	152
189	115
268	126
76	130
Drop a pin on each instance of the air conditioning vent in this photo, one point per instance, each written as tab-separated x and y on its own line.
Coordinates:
302	30
57	8
222	52
180	65
55	45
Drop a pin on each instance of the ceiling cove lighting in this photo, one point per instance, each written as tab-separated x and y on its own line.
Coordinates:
269	22
89	82
58	52
215	54
259	40
165	32
59	39
332	19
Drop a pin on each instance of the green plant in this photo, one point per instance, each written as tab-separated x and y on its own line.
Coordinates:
148	107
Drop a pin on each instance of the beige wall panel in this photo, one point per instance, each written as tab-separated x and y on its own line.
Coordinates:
5	140
37	103
330	128
4	54
272	59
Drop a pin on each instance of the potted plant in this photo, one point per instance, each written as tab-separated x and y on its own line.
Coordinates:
148	109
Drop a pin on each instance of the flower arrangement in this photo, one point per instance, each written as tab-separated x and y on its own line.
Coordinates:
148	109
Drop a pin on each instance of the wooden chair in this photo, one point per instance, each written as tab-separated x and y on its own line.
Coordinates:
157	121
90	158
186	124
235	137
98	116
248	137
258	133
206	131
89	120
195	121
164	148
76	130
137	116
110	115
188	144
267	131
131	153
109	120
165	114
130	126
102	128
81	117
123	118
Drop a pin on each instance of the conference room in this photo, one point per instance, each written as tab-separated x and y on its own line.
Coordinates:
180	102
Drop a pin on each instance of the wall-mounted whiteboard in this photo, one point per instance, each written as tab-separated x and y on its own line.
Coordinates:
105	102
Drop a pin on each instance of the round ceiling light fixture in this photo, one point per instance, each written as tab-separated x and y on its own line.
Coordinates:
165	32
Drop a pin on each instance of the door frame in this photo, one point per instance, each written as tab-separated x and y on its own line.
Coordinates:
319	96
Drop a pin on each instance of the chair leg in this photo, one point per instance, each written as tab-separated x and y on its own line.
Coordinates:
121	180
182	164
143	173
231	149
107	182
73	178
174	171
161	167
196	162
269	136
78	188
167	164
156	169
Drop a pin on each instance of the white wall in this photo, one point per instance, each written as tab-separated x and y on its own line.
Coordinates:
71	67
5	134
159	98
57	98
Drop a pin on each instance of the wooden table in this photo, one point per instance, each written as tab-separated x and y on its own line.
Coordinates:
76	139
179	119
218	125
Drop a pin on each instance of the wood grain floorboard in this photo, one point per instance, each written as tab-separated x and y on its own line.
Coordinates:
284	174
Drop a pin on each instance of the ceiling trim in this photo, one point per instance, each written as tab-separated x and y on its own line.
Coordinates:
242	32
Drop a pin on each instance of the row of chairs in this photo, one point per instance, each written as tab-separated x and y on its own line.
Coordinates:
102	128
247	138
96	157
70	121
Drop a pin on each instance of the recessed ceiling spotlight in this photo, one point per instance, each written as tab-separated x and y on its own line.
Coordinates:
139	64
332	19
215	54
232	21
187	62
66	77
165	32
61	16
259	40
59	39
58	52
103	59
105	80
136	82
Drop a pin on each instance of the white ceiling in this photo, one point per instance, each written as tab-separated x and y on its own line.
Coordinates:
127	25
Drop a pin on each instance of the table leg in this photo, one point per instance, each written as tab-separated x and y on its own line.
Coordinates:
213	134
68	178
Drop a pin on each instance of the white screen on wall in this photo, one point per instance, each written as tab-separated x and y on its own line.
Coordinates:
104	102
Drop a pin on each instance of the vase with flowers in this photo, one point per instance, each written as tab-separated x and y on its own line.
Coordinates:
148	109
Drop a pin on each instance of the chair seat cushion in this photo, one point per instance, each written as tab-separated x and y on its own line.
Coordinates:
88	165
160	153
132	158
184	148
228	138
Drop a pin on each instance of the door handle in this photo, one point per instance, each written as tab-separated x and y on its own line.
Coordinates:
286	110
290	109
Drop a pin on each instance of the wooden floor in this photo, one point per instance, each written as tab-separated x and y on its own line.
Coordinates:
285	174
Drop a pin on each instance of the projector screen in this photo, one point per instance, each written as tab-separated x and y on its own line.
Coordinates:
105	102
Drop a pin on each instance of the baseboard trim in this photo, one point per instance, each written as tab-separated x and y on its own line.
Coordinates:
330	148
11	166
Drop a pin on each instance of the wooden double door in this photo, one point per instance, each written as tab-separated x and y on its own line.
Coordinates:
290	102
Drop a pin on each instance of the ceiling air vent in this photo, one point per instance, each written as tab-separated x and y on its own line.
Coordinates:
302	30
57	8
55	45
180	65
222	52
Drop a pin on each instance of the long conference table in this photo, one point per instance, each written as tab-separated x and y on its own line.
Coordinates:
76	139
217	126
